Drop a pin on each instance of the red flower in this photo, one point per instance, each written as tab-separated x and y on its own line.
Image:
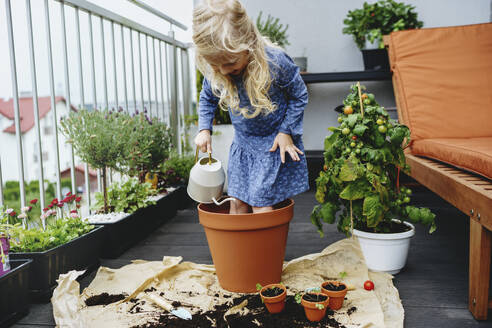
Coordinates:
60	205
46	209
372	14
13	213
30	208
34	201
54	201
50	206
73	211
78	199
68	193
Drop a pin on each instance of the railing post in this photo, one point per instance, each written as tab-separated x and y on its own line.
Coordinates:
173	70
164	116
185	64
103	47
15	98
123	51
32	60
1	184
115	76
133	71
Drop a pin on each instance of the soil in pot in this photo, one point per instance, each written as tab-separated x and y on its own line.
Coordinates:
292	317
336	291
315	305
274	297
387	227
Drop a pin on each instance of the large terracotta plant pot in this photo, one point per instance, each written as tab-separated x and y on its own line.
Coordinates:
246	248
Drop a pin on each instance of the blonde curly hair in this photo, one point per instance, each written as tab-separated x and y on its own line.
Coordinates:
222	30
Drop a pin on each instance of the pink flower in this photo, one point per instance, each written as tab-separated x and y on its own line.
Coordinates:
9	210
74	215
34	201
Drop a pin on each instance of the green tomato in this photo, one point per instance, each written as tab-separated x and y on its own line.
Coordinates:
353	144
379	121
345	131
340	120
347	150
406	199
409	192
398	202
370	96
367	101
357	151
382	129
343	125
360	145
354	103
403	189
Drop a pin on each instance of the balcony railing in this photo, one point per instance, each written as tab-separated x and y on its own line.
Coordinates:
162	65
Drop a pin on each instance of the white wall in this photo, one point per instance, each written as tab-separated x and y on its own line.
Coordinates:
315	31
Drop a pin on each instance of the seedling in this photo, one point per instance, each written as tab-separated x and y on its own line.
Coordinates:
258	287
342	275
320	306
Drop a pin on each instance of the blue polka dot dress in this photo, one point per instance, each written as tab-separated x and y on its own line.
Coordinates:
256	175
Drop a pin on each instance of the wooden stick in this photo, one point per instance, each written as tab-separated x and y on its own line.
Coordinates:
360	100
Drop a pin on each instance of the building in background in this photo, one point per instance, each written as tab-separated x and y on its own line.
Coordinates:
8	143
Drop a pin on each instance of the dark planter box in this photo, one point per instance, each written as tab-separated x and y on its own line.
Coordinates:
14	298
126	232
184	201
375	59
79	254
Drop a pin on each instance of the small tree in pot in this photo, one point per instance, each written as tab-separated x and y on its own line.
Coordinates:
363	160
97	138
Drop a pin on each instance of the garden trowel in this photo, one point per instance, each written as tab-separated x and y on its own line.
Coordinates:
180	312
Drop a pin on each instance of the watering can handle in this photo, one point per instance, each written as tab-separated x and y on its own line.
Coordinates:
218	203
209	156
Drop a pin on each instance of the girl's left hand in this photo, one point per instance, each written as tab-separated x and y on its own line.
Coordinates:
285	143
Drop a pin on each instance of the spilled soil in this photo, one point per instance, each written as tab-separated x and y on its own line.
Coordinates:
292	317
104	299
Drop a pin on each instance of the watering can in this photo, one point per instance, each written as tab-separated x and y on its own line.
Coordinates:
206	181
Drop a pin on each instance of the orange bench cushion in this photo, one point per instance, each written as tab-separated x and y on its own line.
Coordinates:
443	80
472	154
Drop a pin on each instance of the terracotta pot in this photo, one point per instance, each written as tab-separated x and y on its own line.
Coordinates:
246	248
336	298
277	303
313	313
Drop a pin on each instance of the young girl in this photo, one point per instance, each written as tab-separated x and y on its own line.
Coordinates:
261	88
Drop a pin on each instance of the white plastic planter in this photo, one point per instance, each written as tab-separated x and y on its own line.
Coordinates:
385	252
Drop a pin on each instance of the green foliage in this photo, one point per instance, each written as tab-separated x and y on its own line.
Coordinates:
374	20
58	232
221	116
147	144
258	286
126	196
176	170
273	30
361	171
98	137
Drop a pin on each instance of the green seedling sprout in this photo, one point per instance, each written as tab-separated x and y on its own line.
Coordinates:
298	298
320	306
343	275
258	287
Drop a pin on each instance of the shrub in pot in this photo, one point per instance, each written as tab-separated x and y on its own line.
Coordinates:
363	160
368	24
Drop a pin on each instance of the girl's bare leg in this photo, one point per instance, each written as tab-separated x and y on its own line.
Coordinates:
238	207
262	209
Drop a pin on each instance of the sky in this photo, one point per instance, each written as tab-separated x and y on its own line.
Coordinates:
180	10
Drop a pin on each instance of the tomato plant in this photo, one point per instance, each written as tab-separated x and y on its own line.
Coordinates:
362	159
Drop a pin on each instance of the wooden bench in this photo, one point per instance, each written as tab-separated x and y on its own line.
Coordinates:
470	193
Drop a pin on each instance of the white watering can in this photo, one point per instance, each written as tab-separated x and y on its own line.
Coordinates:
206	181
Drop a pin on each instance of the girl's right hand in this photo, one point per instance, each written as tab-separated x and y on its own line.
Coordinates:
204	141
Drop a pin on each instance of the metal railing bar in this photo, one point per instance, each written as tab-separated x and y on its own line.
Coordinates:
141	70
159	14
93	68
148	74
186	82
174	93
1	184
90	7
115	76
124	66
132	66
103	50
168	83
15	98
163	113
32	61
155	80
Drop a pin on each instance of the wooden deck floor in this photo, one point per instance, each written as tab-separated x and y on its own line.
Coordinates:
433	286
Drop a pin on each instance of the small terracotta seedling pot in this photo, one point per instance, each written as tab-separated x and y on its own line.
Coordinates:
336	296
274	304
315	310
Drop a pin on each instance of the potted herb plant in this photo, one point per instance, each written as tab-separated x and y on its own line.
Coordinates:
315	305
336	291
273	296
361	176
368	24
61	241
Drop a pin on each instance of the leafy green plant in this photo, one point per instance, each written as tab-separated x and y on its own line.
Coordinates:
176	170
98	138
148	144
374	20
273	30
363	160
126	196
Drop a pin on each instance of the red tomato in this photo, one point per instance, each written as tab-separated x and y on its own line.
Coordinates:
368	285
354	137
